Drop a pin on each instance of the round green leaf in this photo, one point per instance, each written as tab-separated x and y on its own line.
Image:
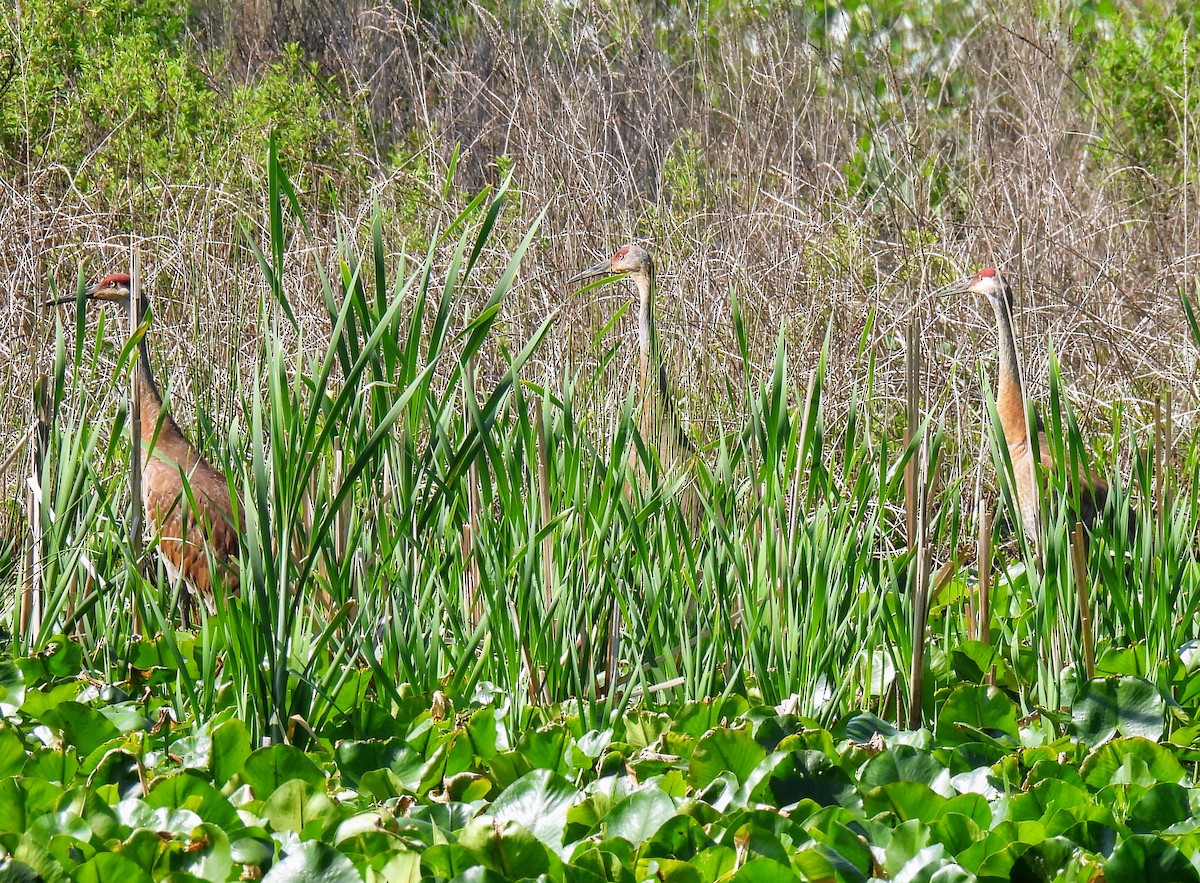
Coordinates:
296	804
208	854
680	837
507	846
109	866
639	816
81	726
188	791
763	870
1162	806
1128	705
268	768
538	800
357	758
724	749
313	862
12	753
904	763
808	775
448	860
12	687
971	709
58	823
1043	862
1130	761
229	751
1144	857
904	800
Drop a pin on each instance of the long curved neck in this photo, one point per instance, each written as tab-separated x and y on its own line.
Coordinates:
157	425
658	406
647	332
1010	396
150	400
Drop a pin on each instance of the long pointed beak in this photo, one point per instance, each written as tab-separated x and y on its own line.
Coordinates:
88	293
960	286
92	292
604	268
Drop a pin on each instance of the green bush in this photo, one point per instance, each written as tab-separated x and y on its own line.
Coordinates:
114	94
1138	81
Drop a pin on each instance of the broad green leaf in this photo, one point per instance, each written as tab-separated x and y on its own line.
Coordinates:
37	702
904	763
716	862
295	804
401	867
981	708
268	768
229	751
107	867
486	735
639	816
448	860
466	787
668	871
66	824
680	837
84	728
763	870
208	854
807	775
12	753
191	792
644	727
355	759
1130	761
905	843
724	749
61	659
126	717
313	862
12	687
904	800
33	854
957	832
1127	705
539	801
1162	806
508	847
52	765
1044	862
1144	857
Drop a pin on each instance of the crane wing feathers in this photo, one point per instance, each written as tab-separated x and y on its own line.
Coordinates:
193	538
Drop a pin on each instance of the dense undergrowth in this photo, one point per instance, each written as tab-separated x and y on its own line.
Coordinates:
101	781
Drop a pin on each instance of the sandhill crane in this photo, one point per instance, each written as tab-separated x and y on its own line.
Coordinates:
194	539
659	419
1010	405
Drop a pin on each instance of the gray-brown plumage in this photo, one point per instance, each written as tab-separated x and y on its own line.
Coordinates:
658	418
1010	406
194	540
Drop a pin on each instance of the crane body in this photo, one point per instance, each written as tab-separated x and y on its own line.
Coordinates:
186	498
1010	407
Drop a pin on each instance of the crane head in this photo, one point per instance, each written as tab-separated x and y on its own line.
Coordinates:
115	287
627	260
987	282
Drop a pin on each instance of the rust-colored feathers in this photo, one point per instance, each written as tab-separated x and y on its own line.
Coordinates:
187	500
